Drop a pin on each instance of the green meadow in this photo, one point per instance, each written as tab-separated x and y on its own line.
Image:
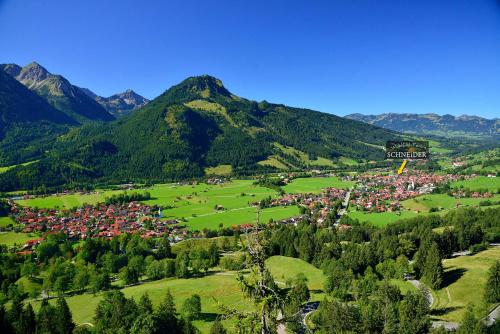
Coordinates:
464	281
316	184
68	201
15	238
6	221
479	182
418	205
441	202
214	288
380	218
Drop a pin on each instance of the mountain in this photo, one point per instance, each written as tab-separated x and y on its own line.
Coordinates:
197	124
432	124
120	104
27	122
58	92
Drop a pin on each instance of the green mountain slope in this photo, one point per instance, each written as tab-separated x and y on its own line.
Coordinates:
196	124
27	122
58	92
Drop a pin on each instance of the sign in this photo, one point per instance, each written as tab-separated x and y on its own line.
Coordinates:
407	149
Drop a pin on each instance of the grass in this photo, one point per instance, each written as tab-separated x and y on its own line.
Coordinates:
6	168
348	161
6	221
464	278
68	201
404	286
380	218
283	268
219	170
479	182
304	157
245	215
213	289
15	239
273	161
315	184
416	206
441	201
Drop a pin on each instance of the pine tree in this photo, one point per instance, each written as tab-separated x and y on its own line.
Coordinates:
217	328
27	323
64	319
166	315
433	268
145	305
45	320
492	289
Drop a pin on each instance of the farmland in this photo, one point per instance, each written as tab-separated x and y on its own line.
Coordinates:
314	185
480	182
15	238
464	282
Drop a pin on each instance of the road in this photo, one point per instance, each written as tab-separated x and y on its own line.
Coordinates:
345	205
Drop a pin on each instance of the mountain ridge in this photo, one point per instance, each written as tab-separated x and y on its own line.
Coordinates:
58	92
119	104
432	124
195	124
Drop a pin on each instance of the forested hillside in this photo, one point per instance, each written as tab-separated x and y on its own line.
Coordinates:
195	124
28	124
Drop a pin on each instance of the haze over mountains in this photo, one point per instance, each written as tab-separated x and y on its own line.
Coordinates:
433	124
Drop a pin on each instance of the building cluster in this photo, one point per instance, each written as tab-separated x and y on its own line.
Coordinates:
380	193
99	221
461	193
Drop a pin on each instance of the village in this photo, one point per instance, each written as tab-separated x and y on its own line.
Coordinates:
372	192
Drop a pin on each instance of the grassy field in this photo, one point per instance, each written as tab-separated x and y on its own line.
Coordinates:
214	288
404	286
5	221
14	238
6	168
283	268
380	218
315	184
68	201
219	170
416	206
441	201
479	182
465	278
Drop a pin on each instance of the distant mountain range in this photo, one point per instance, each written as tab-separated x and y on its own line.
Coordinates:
120	104
433	124
191	126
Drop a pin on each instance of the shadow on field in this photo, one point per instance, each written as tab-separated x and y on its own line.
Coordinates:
444	310
208	317
453	275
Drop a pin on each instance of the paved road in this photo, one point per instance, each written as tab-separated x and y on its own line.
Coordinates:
345	205
418	285
492	317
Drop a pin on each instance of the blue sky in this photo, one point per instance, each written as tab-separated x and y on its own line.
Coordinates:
341	57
